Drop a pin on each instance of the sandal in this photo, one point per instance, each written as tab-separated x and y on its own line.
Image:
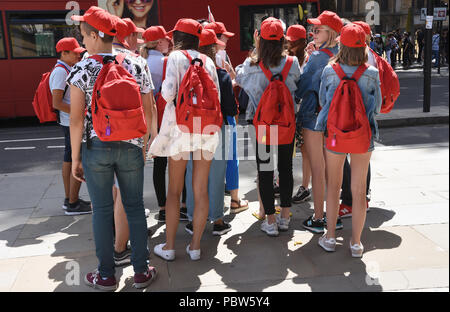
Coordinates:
240	207
278	211
256	215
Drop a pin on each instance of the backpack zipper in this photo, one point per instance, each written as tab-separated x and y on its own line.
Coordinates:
108	127
333	140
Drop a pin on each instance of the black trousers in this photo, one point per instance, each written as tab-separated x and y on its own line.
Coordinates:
159	181
266	158
346	192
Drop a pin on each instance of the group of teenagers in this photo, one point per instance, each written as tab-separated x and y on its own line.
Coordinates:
198	170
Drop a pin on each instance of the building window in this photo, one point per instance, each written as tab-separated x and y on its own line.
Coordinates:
252	16
34	34
349	6
2	40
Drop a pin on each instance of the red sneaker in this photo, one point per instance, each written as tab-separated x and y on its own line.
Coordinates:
96	281
345	211
143	280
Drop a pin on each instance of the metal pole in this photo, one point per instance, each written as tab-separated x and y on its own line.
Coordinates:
427	62
440	38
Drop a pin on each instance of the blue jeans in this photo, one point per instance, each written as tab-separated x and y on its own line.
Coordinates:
232	178
100	162
216	184
435	56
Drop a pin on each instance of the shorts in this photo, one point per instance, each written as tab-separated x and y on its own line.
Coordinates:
310	124
67	146
371	148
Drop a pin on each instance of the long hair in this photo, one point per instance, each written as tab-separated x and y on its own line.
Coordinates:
269	52
184	41
350	56
331	38
300	44
209	51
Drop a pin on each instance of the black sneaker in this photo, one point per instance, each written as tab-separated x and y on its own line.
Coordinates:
189	228
183	214
302	195
122	258
315	226
220	229
162	216
78	209
339	225
84	201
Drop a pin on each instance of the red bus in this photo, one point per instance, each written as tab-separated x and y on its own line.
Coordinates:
29	30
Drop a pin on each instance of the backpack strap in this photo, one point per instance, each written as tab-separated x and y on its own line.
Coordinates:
97	57
327	52
339	71
120	58
287	67
358	73
62	66
266	72
187	55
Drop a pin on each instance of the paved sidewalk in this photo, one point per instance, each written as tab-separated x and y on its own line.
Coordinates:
406	237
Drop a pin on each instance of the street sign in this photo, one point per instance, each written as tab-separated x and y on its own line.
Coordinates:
440	14
423	14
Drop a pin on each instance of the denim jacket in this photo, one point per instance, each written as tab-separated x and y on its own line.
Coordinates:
254	82
369	84
309	84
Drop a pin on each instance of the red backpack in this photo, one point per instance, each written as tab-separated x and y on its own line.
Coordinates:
390	85
198	100
275	108
160	102
117	111
348	129
43	100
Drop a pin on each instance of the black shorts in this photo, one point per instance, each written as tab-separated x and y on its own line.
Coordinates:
67	148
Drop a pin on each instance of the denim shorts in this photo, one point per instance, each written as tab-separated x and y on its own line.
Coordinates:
309	124
67	147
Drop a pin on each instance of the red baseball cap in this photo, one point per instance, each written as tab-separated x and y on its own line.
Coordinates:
272	29
155	33
219	28
296	32
189	26
352	36
328	18
365	26
69	44
209	37
100	19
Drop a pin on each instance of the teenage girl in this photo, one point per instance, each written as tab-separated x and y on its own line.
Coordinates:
296	38
270	53
177	145
352	54
326	29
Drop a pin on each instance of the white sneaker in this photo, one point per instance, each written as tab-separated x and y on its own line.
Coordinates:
147	212
168	255
329	244
270	229
283	224
357	250
194	254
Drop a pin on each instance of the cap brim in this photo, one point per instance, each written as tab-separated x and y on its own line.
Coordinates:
314	21
77	18
79	50
228	34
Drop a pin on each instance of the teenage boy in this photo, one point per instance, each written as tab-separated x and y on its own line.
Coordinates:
101	159
68	51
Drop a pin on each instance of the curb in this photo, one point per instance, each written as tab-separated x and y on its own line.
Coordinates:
412	121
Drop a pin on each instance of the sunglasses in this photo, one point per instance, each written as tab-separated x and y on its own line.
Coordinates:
133	1
317	30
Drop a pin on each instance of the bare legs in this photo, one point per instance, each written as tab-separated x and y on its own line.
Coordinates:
71	185
314	150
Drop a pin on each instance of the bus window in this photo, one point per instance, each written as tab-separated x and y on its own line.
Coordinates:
252	16
34	34
2	40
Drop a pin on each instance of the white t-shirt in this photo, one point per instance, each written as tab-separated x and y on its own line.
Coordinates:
371	59
57	81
